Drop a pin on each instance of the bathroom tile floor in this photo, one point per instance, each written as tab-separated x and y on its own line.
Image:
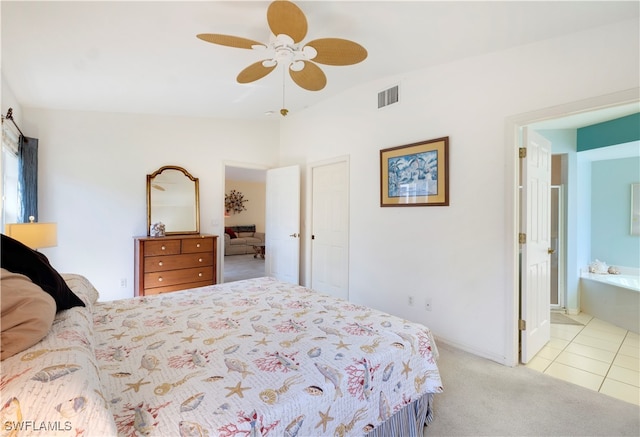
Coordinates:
599	356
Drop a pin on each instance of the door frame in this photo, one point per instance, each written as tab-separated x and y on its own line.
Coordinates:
513	126
561	250
308	225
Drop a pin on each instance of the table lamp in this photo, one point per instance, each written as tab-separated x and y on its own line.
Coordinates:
32	234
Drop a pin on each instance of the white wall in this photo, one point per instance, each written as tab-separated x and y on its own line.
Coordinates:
92	180
8	100
453	255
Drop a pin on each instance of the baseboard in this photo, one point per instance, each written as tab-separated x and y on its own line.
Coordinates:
473	350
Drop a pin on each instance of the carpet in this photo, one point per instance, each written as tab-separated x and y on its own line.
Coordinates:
484	398
237	267
561	319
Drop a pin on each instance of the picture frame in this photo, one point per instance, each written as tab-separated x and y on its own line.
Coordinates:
415	174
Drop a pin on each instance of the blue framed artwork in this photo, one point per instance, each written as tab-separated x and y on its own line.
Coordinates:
415	174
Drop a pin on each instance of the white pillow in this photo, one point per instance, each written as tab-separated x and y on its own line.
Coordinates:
82	288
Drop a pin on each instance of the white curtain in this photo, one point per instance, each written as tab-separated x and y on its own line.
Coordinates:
10	137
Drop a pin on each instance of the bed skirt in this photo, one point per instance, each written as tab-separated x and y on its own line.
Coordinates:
409	421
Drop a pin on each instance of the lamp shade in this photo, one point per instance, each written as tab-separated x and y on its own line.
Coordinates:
33	235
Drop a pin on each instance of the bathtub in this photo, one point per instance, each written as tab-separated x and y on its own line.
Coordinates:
612	298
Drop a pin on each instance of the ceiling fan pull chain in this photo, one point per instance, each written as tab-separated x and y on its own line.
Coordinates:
283	111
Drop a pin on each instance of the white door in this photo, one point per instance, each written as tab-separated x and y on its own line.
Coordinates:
282	224
535	268
330	229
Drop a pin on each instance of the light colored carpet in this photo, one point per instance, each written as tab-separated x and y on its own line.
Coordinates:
484	398
237	267
561	319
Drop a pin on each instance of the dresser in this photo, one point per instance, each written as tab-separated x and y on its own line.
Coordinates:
174	262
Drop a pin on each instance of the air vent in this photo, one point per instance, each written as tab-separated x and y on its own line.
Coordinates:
388	97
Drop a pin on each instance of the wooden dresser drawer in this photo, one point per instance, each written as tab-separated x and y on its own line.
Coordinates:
161	247
176	262
173	277
173	262
197	245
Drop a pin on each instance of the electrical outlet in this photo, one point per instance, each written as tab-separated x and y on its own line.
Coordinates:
123	283
410	302
427	304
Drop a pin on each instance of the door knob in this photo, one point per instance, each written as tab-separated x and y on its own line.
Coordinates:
550	251
294	235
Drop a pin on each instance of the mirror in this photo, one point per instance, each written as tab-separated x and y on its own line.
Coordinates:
173	199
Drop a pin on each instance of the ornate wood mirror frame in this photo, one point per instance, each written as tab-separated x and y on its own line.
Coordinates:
173	199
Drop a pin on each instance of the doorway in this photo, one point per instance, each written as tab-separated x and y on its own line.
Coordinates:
239	262
569	116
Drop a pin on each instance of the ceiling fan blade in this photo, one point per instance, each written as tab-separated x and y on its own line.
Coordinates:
254	72
310	77
229	40
284	17
337	51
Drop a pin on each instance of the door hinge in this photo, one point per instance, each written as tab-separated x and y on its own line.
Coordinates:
522	325
522	152
522	238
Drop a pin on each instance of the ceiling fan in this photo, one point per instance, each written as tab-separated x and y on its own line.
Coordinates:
288	26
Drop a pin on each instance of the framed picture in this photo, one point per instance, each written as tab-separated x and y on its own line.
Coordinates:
415	174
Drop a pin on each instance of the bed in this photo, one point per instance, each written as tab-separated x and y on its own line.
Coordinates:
247	358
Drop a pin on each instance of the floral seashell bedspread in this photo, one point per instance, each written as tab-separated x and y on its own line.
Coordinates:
257	357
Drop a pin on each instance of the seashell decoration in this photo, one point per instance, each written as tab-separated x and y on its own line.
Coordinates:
613	270
157	230
191	403
72	406
269	396
314	352
599	267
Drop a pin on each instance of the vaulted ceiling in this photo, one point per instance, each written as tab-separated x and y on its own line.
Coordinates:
144	57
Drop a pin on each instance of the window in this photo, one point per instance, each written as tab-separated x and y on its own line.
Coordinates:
9	163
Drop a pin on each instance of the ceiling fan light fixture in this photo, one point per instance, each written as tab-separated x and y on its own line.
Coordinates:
296	66
309	52
283	40
268	63
284	56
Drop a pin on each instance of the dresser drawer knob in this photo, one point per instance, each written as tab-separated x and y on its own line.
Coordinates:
199	260
160	279
198	245
200	274
163	247
160	263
